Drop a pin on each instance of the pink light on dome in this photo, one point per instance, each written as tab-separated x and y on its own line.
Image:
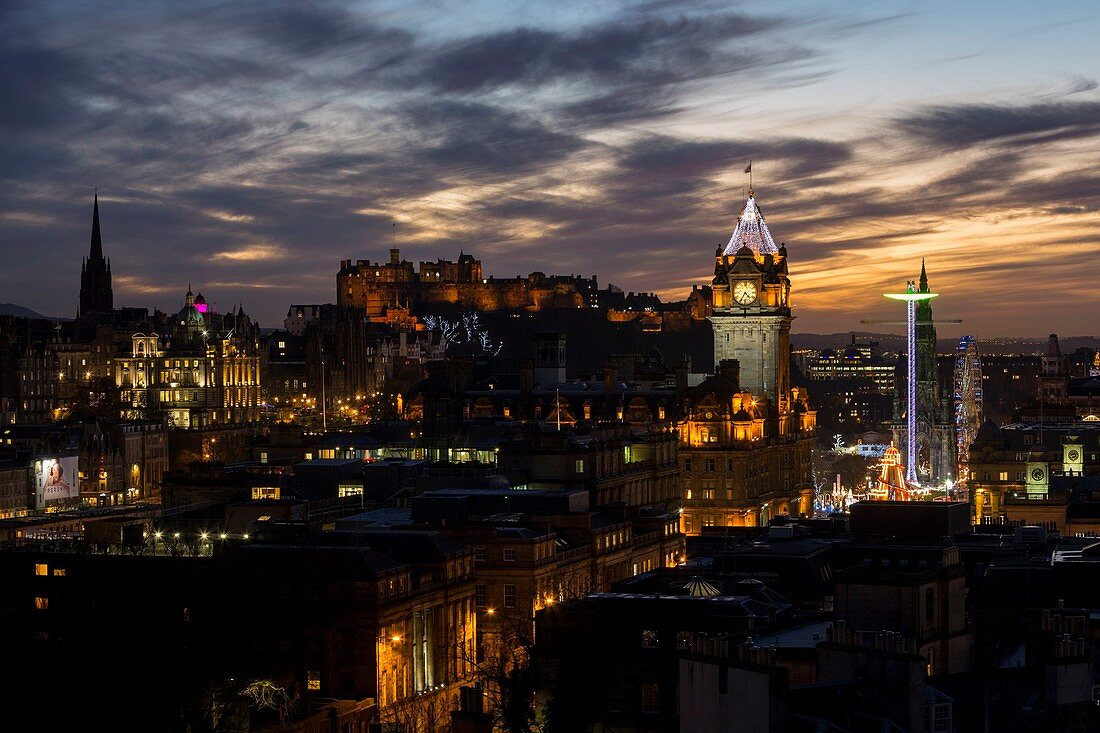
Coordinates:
200	307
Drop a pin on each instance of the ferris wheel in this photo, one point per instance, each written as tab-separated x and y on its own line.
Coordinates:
968	401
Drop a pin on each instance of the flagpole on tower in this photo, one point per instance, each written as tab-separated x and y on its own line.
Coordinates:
748	169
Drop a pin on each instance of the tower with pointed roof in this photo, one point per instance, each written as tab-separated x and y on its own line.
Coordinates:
96	295
746	436
751	311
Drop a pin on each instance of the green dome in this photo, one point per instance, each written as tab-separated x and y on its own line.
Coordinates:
190	316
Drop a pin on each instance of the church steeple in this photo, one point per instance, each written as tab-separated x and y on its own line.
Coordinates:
923	278
96	295
97	239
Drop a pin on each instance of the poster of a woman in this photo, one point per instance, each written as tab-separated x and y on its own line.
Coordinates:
54	486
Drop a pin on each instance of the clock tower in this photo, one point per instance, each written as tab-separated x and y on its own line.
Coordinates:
752	315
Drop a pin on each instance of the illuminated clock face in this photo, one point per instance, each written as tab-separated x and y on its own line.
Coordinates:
744	292
1037	474
1073	455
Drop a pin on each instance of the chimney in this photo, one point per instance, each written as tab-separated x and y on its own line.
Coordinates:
731	370
526	376
609	375
395	256
682	372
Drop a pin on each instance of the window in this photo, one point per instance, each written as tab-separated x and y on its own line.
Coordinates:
509	595
481	595
616	696
59	572
1003	476
687	464
509	554
265	492
650	697
479	554
313	680
649	638
687	495
929	606
580	465
41	603
683	639
709	464
41	569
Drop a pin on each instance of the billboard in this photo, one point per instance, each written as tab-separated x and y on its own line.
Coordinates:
56	481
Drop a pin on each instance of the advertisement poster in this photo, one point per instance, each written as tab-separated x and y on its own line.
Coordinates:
57	480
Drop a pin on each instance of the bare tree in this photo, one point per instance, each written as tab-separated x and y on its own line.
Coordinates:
426	713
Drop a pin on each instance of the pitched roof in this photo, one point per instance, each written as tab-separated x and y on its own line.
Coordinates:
751	232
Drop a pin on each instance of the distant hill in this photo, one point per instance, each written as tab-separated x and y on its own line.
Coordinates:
11	309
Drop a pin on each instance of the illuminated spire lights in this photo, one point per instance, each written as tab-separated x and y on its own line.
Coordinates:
751	232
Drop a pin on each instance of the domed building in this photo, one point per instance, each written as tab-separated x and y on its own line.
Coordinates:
190	322
206	376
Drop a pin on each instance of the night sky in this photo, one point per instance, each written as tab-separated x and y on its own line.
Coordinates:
248	147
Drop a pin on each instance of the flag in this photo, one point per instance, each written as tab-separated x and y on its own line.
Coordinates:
748	168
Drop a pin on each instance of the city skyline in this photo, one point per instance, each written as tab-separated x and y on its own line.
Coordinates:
249	147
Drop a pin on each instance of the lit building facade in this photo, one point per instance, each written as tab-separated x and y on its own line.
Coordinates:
206	375
376	287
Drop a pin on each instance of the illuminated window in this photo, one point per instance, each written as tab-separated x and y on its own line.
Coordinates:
313	680
41	569
580	465
266	492
58	572
41	603
649	638
1004	476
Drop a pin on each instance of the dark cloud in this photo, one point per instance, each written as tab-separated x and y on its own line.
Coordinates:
39	87
971	124
478	140
310	28
654	50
